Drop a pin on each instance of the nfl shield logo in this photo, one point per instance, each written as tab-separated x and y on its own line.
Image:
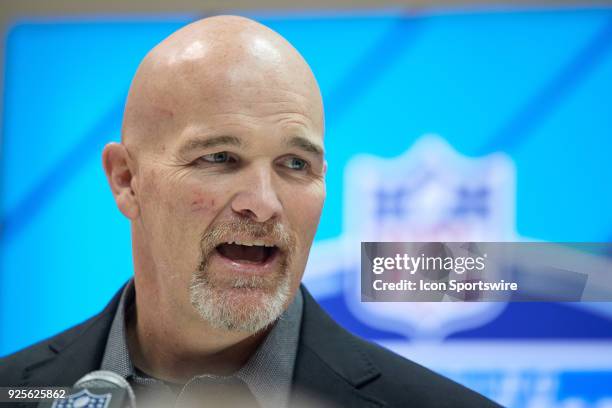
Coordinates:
83	399
431	193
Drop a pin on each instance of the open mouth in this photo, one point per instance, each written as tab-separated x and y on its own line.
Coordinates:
247	252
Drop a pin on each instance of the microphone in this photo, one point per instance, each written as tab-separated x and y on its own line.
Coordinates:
97	389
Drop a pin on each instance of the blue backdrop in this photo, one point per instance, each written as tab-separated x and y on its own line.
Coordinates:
533	85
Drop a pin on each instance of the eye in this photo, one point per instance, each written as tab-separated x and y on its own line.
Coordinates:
219	157
295	163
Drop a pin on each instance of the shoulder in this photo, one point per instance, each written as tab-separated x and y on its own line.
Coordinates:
409	381
13	366
377	371
80	347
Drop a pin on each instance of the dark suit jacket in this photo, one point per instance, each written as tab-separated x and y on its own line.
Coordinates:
340	368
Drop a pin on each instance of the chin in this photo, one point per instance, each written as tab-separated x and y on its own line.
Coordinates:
240	307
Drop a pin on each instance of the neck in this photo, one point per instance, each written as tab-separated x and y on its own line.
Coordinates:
176	349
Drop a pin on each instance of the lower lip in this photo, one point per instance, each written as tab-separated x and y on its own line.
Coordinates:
271	264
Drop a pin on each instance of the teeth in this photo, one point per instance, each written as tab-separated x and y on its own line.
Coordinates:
251	243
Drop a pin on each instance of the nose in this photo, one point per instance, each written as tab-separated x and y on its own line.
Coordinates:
256	197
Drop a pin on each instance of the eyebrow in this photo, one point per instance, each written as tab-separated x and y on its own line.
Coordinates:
215	141
303	143
299	142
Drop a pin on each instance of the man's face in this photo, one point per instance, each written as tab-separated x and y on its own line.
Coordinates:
230	199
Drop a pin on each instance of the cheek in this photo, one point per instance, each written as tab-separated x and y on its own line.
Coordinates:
201	203
180	202
305	214
186	198
202	199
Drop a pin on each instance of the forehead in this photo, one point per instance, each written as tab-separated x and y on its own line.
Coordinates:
241	107
230	89
258	93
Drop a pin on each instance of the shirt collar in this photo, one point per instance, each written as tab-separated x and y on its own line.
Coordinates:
268	372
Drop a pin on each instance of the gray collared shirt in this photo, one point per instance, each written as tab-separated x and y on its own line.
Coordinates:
267	373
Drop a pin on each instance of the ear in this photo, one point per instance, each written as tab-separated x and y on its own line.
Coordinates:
324	167
119	172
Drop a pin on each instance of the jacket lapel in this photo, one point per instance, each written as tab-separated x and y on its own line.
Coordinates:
329	363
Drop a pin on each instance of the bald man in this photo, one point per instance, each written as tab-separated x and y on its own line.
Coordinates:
220	171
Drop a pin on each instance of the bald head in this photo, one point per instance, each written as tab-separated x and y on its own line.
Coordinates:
216	65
